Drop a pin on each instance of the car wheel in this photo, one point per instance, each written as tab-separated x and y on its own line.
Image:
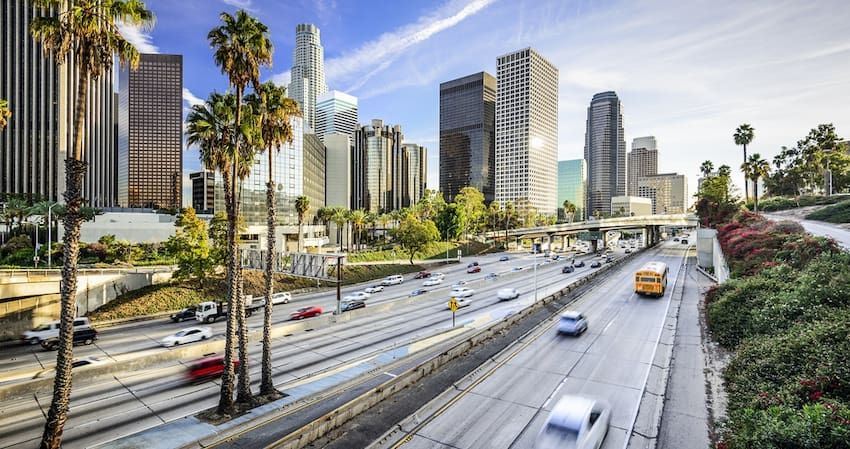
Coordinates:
33	341
210	319
88	341
203	337
175	320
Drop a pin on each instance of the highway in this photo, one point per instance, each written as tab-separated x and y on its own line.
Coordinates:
128	402
504	404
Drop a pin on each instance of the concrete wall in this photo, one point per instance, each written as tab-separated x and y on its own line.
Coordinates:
96	291
710	254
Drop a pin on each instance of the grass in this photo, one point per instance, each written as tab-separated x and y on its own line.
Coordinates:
837	213
775	203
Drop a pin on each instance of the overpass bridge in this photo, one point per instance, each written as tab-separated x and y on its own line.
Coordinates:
648	225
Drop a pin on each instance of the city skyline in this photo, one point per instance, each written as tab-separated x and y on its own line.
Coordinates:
689	74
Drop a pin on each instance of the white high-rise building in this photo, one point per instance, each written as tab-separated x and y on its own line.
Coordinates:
308	71
336	112
527	130
643	161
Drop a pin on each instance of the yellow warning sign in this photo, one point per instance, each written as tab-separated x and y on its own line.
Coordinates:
453	305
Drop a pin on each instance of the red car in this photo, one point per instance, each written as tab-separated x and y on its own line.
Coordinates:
305	312
473	268
208	367
422	275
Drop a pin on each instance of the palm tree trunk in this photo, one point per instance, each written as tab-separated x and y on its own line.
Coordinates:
746	181
756	196
266	384
243	388
75	170
225	403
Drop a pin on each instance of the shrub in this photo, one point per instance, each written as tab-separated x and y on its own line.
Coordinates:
838	213
816	426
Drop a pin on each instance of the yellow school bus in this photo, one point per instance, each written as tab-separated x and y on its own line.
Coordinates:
651	280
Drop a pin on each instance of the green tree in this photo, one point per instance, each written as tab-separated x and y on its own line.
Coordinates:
275	112
450	221
191	247
706	168
302	206
5	113
241	46
429	205
85	31
340	218
357	218
715	202
754	169
471	200
569	210
413	235
325	215
743	136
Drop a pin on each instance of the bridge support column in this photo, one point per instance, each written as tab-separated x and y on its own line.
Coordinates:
548	243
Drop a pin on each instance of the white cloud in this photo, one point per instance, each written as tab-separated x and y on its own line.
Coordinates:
282	79
240	4
350	68
190	98
139	38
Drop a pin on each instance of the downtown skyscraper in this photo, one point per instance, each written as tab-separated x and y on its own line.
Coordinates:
605	153
40	132
336	112
308	72
527	130
643	161
468	135
150	133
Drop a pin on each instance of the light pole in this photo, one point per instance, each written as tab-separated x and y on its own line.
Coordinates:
828	174
535	272
49	233
448	233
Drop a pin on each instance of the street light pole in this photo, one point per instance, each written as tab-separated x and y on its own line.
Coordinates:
535	275
49	233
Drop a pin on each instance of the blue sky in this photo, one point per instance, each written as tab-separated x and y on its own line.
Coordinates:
688	72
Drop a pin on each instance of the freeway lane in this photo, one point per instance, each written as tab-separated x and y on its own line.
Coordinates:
130	402
504	404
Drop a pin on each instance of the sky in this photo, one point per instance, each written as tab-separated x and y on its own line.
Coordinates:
687	72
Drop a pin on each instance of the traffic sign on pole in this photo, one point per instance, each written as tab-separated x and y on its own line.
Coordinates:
453	306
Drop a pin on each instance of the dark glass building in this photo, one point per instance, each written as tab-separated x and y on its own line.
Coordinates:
467	135
150	134
604	152
203	191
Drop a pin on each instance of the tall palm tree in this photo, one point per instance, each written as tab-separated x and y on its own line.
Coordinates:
744	135
86	32
325	215
5	113
357	219
706	168
241	45
569	210
274	111
340	218
754	169
302	206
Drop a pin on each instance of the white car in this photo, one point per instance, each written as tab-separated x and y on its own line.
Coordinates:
575	422
187	335
460	283
357	296
374	288
461	292
507	293
281	297
393	280
437	275
432	281
462	302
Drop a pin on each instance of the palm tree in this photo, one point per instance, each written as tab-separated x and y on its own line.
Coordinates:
86	32
569	210
744	136
340	218
275	110
357	219
706	168
754	169
325	215
302	206
241	45
5	113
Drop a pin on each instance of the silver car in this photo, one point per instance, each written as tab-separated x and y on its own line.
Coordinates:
575	422
572	323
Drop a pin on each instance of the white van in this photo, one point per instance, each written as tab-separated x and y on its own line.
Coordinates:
393	280
50	330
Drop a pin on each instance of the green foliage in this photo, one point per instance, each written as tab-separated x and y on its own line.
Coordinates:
776	203
190	246
413	235
838	213
815	426
715	202
450	221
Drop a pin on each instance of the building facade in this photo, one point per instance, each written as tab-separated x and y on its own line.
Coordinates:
414	176
572	185
338	178
527	130
308	71
643	161
387	174
605	152
39	134
468	135
203	191
631	206
336	112
150	133
668	192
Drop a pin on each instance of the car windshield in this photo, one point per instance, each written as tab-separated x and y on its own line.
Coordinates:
303	309
43	327
181	333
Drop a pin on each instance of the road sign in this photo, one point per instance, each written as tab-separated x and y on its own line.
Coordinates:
453	305
592	235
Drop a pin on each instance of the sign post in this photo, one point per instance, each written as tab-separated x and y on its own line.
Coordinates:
453	306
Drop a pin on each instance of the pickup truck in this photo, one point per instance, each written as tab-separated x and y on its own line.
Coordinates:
85	336
50	330
209	311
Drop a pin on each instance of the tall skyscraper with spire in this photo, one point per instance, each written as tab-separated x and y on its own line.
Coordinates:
605	152
308	71
527	130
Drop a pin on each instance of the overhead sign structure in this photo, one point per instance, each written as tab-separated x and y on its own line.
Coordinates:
591	235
